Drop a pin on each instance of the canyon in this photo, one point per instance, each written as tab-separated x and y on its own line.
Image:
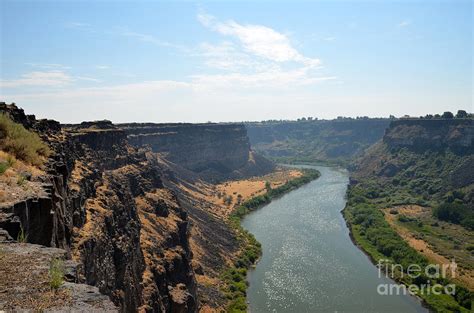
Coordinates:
127	218
334	142
215	152
142	214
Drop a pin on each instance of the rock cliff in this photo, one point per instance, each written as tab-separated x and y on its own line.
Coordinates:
329	141
215	152
136	220
422	159
105	204
434	134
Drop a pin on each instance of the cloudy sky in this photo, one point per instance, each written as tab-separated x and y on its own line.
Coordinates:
233	61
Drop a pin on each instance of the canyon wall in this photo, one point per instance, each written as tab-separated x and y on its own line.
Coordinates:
425	158
424	134
128	204
330	141
105	203
215	152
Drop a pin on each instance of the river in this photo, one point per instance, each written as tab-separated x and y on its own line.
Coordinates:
309	263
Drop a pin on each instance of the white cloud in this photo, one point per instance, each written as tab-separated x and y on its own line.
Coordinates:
404	23
85	27
90	79
229	57
102	67
49	78
147	38
274	79
259	40
54	78
252	68
168	101
330	38
150	39
253	56
48	66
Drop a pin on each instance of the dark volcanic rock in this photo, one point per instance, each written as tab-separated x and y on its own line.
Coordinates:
433	134
90	208
215	152
26	266
315	140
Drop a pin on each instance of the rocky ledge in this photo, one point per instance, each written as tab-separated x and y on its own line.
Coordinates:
27	284
215	152
424	134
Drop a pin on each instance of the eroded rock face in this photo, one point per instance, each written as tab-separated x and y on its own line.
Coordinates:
316	140
214	151
27	285
434	134
105	204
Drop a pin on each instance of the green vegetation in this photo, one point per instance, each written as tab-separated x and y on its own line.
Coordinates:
375	236
22	236
25	145
235	276
388	177
403	177
21	180
314	141
228	200
56	273
455	212
3	167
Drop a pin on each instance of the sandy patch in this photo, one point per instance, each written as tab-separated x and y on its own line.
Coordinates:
464	276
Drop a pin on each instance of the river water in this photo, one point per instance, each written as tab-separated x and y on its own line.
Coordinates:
309	263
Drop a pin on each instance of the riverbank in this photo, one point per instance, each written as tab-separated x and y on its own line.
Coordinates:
373	235
235	276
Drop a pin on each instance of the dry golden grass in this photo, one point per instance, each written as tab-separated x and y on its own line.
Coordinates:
463	276
25	145
247	188
13	183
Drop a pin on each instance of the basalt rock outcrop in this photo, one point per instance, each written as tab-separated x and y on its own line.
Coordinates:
431	134
330	141
215	152
105	204
423	160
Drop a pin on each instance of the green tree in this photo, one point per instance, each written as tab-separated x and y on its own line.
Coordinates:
447	114
268	186
461	114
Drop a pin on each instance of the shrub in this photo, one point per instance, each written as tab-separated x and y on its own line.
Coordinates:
456	213
3	167
22	236
21	180
404	219
22	143
56	273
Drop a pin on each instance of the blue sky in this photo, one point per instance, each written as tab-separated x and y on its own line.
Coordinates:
233	61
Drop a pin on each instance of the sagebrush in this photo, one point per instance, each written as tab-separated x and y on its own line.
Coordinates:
25	145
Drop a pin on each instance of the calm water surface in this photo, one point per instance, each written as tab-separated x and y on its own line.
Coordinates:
309	263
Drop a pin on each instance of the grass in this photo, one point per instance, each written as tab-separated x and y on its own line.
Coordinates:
56	273
374	235
21	180
25	145
3	167
22	236
235	277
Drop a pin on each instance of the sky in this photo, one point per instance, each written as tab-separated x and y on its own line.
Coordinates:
175	61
